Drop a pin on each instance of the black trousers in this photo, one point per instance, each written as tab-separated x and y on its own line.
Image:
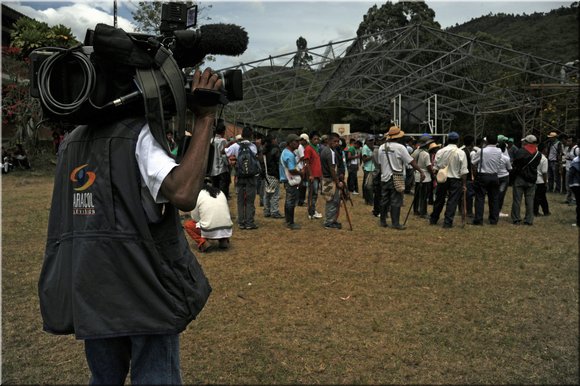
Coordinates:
451	191
486	184
541	200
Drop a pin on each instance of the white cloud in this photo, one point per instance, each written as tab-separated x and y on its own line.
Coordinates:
78	16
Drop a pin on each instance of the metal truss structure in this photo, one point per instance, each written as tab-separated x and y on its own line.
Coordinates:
466	74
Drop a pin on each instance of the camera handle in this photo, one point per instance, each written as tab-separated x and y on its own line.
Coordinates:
205	97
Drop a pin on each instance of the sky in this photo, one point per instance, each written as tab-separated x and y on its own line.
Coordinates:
272	26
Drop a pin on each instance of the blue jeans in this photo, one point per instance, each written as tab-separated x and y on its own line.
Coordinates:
312	191
153	359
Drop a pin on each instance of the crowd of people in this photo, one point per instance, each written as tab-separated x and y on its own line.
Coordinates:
457	175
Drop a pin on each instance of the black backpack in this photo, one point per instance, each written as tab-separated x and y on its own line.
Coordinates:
247	163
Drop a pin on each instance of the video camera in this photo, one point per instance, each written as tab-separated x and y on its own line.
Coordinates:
106	77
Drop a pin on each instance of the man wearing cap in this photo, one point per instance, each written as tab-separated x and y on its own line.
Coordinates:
526	171
554	160
393	156
368	168
289	168
456	162
487	163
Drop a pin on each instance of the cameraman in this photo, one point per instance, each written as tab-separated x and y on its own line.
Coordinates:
118	271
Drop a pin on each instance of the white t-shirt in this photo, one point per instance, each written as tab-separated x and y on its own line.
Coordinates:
542	169
235	148
399	157
299	153
154	163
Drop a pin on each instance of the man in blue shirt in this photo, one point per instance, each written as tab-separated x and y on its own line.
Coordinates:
290	176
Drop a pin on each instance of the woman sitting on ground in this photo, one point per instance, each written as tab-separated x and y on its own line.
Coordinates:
210	220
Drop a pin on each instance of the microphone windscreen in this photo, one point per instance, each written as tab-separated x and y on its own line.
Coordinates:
223	39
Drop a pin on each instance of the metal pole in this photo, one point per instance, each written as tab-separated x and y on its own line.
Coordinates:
435	118
115	13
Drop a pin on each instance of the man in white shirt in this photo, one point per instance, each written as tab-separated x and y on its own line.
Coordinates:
487	163
456	162
393	156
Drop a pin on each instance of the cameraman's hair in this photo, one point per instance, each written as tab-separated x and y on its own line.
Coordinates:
247	132
333	135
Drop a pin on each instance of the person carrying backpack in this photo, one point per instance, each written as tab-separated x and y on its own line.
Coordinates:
247	171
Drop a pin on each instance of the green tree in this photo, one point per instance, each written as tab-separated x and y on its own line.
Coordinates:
30	34
395	15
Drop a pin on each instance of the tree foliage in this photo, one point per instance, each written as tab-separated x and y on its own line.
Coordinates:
395	15
29	34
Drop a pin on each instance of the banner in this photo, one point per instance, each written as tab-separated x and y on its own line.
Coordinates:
341	129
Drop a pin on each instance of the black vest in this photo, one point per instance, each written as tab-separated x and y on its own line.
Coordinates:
107	270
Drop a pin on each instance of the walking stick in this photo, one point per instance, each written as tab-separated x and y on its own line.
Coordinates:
346	212
464	211
309	197
343	198
409	211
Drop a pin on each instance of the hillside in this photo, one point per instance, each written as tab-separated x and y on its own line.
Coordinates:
552	35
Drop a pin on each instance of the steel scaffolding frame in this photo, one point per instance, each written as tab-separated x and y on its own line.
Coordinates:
467	75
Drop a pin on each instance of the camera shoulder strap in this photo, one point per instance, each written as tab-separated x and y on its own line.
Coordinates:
150	81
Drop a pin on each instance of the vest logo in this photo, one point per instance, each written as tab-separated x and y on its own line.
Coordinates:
83	179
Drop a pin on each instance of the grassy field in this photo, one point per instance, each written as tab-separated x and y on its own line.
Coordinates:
478	305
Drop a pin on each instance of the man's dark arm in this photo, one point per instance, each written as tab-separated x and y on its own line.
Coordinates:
182	185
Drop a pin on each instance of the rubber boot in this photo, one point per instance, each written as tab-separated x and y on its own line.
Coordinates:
395	215
292	225
383	218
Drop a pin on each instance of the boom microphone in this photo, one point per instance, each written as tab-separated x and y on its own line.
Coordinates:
213	39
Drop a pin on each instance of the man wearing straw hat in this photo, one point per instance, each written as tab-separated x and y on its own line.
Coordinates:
393	156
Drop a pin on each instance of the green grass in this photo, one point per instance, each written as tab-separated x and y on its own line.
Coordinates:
472	305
